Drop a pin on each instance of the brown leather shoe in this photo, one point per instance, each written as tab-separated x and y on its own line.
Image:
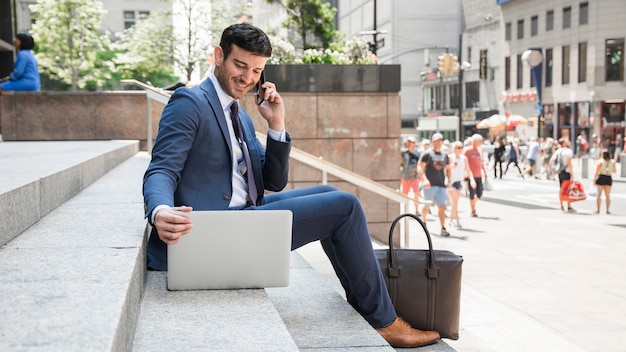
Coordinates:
401	334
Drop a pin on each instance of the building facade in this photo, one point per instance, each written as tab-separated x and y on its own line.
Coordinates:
412	33
582	82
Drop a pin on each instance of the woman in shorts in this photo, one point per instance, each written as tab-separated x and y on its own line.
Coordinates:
459	172
604	180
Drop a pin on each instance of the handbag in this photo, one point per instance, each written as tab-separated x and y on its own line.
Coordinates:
572	191
424	285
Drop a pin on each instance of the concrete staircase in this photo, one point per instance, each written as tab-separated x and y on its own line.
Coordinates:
73	276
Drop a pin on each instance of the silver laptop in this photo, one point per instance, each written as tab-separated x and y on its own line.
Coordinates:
232	249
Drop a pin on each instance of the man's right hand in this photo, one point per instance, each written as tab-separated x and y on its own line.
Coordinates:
171	223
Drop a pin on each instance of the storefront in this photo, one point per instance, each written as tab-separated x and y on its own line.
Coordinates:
612	124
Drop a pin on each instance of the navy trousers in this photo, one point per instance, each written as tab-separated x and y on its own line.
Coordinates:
337	220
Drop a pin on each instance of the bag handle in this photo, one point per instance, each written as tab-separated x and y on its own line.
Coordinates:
394	270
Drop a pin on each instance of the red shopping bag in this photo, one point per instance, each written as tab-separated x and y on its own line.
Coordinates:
572	191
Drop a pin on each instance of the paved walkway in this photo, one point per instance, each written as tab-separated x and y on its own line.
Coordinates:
534	279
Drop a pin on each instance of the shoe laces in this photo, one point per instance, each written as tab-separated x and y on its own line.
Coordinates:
405	323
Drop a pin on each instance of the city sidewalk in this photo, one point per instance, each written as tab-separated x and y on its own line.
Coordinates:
534	278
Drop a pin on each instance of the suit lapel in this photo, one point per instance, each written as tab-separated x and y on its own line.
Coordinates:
215	105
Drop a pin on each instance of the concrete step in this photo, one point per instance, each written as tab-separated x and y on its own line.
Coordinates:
37	177
73	280
307	315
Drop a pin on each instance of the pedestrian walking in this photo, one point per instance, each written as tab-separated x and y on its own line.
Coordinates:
532	154
477	168
563	157
604	180
513	157
498	156
459	171
410	180
434	168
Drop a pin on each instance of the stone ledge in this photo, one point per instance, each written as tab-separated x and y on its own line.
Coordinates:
40	176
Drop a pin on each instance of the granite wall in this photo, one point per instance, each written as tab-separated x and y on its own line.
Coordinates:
357	131
56	115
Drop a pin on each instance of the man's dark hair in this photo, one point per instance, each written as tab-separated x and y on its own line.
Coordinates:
248	38
27	42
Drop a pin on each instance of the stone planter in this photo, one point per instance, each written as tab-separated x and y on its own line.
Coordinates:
334	78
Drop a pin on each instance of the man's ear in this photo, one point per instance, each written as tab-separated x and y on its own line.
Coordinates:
218	54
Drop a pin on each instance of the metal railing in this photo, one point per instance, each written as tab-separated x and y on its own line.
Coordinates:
317	162
152	93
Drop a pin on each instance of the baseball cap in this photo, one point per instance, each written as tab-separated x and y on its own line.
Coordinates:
412	139
437	136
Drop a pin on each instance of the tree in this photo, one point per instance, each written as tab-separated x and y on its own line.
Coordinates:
310	17
144	51
70	40
199	25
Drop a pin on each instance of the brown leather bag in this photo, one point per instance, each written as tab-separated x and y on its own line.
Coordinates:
424	285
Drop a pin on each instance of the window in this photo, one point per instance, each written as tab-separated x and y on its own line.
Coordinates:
472	94
520	72
565	66
454	96
520	29
582	62
583	13
534	26
507	32
614	59
567	17
129	19
550	20
548	67
507	73
469	55
532	79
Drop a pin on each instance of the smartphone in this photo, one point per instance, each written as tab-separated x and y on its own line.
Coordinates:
260	91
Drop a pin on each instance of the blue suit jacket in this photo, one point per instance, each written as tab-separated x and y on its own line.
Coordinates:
192	160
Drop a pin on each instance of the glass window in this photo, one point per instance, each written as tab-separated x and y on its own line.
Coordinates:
428	99
534	26
507	73
548	67
549	20
582	62
520	29
143	14
583	13
507	32
565	66
520	72
532	79
472	94
614	59
567	17
454	96
129	19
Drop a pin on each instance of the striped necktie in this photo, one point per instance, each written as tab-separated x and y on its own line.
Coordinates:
248	175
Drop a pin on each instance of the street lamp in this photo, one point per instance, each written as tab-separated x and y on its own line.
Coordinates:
375	32
462	67
534	58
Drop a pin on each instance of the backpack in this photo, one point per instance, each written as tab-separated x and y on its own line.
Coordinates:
557	162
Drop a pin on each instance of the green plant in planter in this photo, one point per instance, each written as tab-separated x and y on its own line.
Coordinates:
351	51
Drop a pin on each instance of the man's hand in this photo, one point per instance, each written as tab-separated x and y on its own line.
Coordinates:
426	183
171	223
272	108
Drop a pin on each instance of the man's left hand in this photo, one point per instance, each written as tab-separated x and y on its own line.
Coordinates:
272	108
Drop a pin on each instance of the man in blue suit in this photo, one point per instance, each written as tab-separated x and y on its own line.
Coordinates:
197	162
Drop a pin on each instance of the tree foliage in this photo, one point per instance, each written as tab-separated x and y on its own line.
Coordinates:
310	17
70	41
144	51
